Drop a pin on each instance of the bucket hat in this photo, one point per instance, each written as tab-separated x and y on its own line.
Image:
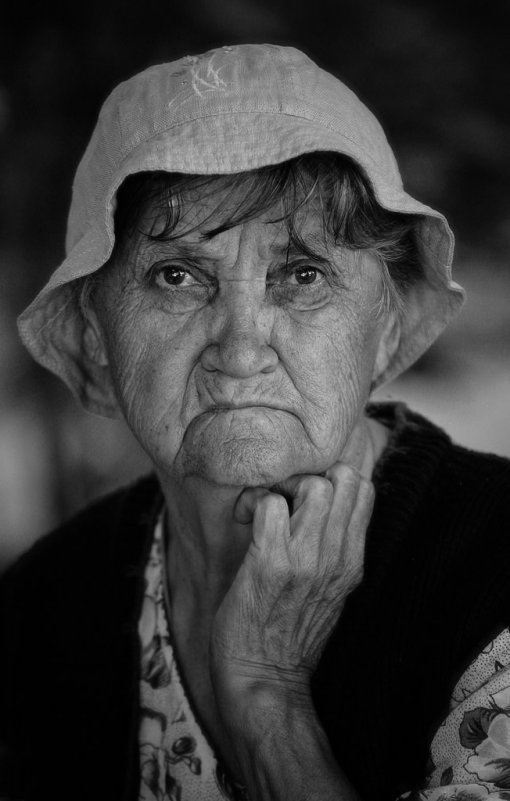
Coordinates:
229	110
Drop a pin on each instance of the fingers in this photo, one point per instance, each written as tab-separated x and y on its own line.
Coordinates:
330	522
259	506
246	503
310	499
353	494
350	515
341	484
359	523
301	488
337	505
329	501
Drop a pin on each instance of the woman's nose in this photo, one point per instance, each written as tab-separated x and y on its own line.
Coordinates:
240	349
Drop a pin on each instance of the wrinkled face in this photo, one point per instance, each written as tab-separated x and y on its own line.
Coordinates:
237	358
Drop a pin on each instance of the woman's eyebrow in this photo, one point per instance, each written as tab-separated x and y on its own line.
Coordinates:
188	249
313	247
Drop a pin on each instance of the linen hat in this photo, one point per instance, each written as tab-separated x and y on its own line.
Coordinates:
229	110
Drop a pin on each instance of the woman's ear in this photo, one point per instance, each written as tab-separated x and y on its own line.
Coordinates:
389	340
97	393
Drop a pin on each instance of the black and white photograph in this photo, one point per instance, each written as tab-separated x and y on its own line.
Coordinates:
255	401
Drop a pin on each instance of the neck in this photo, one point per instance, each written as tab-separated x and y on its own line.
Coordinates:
206	545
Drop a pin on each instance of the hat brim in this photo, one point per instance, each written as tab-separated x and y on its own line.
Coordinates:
52	326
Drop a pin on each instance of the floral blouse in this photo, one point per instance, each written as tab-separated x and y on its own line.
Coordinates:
469	755
177	762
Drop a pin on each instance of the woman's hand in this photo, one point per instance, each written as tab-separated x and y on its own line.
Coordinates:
275	620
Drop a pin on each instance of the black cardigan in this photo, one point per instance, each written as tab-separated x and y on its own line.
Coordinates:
435	591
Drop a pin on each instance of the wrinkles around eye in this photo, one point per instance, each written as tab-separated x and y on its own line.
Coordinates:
182	288
302	277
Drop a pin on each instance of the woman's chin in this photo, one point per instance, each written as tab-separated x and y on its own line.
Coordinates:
244	462
243	448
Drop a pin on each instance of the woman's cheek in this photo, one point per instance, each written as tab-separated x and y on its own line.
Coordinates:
138	339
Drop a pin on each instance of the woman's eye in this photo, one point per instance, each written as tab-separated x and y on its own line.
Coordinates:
303	275
172	275
301	286
179	288
306	275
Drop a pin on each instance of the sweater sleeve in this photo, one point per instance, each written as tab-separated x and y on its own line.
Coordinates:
470	752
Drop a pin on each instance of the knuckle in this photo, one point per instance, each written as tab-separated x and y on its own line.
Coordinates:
281	572
353	475
365	482
352	573
273	504
345	473
348	477
309	570
317	487
367	489
358	573
356	579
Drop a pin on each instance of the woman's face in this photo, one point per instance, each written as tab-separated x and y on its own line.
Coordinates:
237	359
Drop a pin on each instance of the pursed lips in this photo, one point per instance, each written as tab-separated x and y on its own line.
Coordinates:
228	407
220	408
232	407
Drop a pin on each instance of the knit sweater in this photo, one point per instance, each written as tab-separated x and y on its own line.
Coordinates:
435	590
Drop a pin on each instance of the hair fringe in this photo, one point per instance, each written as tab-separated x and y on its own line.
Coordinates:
331	183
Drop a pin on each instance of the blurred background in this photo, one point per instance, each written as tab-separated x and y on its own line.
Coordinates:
437	75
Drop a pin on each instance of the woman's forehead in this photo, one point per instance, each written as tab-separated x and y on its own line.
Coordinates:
203	216
263	241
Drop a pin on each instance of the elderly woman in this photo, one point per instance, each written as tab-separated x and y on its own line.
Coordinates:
255	620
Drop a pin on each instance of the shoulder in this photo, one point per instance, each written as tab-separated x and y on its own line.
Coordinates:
94	524
84	578
68	628
422	460
79	552
442	516
446	523
474	487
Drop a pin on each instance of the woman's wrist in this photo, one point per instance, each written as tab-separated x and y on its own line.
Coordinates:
247	703
248	695
280	746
